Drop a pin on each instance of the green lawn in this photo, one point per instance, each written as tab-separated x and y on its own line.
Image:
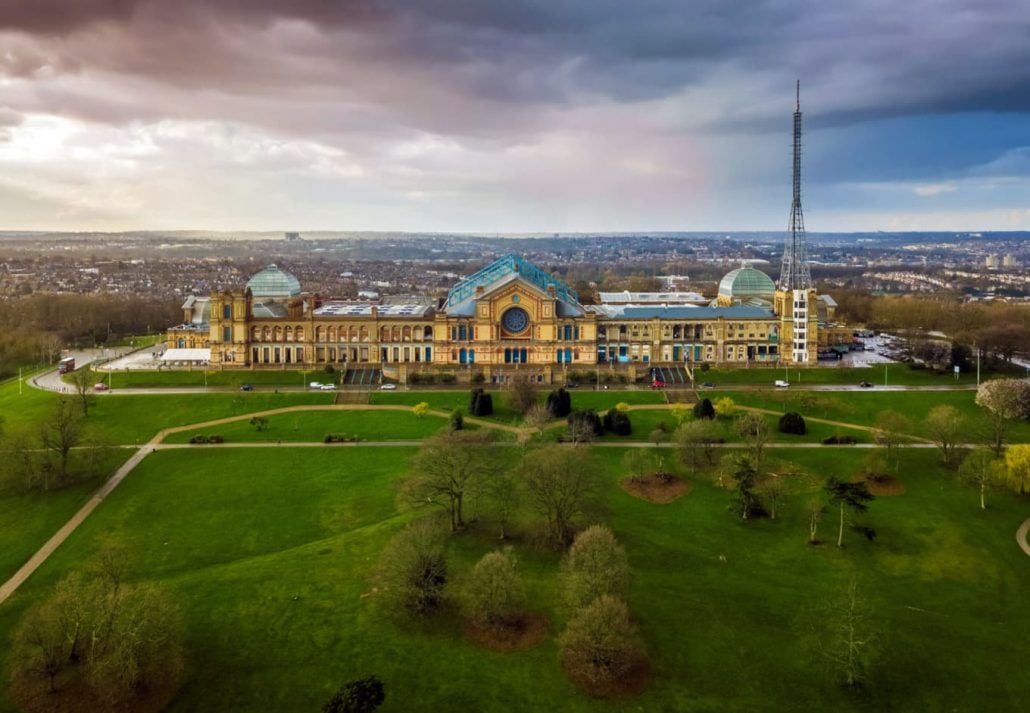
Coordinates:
269	554
155	379
313	426
897	374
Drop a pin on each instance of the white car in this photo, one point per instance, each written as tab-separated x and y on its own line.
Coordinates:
328	387
388	387
315	385
781	384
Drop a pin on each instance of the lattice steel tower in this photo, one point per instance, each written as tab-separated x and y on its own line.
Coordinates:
794	275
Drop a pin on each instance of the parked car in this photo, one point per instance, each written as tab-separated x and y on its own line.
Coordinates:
246	387
865	384
388	387
328	387
781	384
708	385
571	384
315	385
101	387
657	384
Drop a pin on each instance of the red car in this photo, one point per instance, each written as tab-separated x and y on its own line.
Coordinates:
101	387
657	384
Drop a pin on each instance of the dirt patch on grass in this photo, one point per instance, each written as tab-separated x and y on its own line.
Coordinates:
523	632
881	485
633	683
659	488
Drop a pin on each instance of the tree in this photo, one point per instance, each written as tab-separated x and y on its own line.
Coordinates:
704	409
982	469
1017	468
480	403
793	422
853	496
559	403
946	427
753	428
260	423
523	396
584	426
560	482
816	511
82	381
746	502
773	491
696	441
537	417
40	646
595	565
680	412
637	462
502	493
1004	400
493	594
361	696
889	430
725	407
601	644
59	435
850	642
420	409
457	421
447	468
413	567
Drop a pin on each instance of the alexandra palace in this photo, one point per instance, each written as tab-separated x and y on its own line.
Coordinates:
509	318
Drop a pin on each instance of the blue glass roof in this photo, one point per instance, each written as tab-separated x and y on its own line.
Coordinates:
505	267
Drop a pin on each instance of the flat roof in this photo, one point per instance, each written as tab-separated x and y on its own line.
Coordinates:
364	309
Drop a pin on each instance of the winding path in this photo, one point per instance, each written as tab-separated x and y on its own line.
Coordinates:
1021	536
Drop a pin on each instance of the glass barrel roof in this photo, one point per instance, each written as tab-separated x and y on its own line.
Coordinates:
746	281
273	282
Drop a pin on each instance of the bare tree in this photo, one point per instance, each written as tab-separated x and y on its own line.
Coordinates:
816	509
773	491
503	494
753	428
850	642
889	431
696	441
946	427
413	567
982	469
523	396
82	382
59	435
1004	400
560	482
447	469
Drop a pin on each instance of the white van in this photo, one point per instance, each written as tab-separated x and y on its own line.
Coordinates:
781	384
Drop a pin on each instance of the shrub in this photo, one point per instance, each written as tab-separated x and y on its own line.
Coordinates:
420	409
457	420
493	594
725	407
617	422
478	378
448	378
595	564
793	422
704	409
559	403
413	568
585	423
362	696
481	403
330	369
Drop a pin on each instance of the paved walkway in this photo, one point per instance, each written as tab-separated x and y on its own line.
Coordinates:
1021	536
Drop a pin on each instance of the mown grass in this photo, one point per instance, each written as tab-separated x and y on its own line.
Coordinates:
896	374
138	379
271	560
314	426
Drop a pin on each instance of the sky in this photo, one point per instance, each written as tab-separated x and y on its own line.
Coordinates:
515	116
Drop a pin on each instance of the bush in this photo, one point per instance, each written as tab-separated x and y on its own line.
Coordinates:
362	696
493	594
617	422
413	568
448	378
793	422
478	378
420	409
559	403
704	409
457	420
481	403
585	423
839	441
330	369
595	564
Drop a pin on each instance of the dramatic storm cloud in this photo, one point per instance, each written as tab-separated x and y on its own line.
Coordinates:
524	115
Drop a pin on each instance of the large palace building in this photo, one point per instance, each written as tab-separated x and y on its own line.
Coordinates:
506	319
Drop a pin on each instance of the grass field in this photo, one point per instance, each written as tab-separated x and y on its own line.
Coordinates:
136	379
270	559
896	374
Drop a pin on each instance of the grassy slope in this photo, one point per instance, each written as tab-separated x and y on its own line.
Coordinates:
313	426
270	560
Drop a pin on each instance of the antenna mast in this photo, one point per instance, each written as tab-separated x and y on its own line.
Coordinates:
794	274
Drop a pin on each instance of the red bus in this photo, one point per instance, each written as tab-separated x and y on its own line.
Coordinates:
66	365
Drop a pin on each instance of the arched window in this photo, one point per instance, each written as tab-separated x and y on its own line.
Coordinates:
472	356
289	333
395	334
463	356
384	334
298	334
427	333
277	334
406	334
364	334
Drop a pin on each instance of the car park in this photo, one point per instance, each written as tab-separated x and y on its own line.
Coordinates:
388	387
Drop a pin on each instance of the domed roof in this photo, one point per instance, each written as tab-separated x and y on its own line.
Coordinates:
273	282
746	281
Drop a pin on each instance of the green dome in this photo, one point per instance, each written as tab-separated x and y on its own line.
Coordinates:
273	282
746	282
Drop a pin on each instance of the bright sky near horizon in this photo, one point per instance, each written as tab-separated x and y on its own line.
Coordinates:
526	115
